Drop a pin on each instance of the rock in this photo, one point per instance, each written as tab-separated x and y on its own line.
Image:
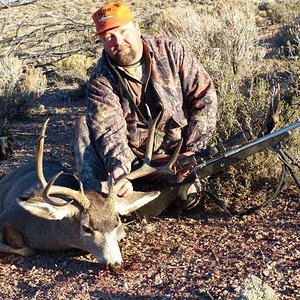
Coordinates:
255	289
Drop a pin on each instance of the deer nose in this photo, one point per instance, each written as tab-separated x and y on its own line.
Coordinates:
114	267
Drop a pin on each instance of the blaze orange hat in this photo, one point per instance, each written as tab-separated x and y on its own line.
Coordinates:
111	15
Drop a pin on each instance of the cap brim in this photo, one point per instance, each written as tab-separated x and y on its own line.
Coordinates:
113	24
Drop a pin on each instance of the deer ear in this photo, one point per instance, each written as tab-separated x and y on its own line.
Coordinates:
39	208
136	200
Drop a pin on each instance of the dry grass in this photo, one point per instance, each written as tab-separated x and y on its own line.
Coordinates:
223	35
10	74
34	82
20	85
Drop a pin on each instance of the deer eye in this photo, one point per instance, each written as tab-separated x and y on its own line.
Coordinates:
87	229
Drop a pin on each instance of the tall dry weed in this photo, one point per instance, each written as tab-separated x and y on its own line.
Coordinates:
34	83
223	36
10	74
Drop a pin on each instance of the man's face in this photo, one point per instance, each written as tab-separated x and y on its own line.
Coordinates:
123	44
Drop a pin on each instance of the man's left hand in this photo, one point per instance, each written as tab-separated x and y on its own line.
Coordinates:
182	173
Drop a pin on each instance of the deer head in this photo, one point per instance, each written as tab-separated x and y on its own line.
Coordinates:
89	220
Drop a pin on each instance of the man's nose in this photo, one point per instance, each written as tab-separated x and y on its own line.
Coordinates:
119	40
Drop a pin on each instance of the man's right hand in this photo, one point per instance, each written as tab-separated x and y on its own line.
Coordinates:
118	173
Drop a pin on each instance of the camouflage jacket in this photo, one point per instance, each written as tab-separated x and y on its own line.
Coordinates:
182	88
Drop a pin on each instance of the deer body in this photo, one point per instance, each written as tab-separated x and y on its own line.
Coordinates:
38	215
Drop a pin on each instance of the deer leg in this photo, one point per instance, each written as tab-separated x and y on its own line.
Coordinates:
156	207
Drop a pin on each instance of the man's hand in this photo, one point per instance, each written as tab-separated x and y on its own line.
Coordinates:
183	173
117	173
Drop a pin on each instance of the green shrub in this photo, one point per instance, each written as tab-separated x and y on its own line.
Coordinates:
76	65
278	12
289	37
20	86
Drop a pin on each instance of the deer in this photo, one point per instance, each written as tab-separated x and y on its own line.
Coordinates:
44	208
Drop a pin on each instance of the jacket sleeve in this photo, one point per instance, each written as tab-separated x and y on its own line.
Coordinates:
108	125
200	101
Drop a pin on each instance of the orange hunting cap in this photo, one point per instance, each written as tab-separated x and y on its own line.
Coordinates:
111	15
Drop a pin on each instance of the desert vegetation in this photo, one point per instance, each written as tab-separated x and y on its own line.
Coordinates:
250	48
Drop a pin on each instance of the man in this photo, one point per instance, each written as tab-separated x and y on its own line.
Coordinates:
136	71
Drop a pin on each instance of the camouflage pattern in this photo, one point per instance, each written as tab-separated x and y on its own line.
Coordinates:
181	88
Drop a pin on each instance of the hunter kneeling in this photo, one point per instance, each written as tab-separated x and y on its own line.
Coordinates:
137	78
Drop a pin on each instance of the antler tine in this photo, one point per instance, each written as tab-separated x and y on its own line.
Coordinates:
174	156
146	168
49	188
79	196
39	160
148	112
150	140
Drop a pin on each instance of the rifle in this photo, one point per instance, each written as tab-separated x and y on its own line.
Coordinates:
215	158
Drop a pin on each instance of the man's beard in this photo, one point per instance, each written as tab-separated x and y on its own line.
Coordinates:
125	59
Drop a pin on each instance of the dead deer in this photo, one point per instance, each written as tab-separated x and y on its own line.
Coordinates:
44	209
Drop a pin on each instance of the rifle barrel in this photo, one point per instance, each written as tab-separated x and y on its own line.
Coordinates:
215	164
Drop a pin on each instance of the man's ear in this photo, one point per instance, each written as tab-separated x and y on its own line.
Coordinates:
137	26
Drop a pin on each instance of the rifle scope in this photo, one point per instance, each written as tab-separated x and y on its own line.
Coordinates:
214	150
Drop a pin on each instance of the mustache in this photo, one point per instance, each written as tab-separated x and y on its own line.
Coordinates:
121	48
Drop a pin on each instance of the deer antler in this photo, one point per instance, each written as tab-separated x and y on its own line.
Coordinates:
146	168
79	196
49	188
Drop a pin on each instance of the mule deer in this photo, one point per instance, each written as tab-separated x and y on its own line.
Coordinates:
44	209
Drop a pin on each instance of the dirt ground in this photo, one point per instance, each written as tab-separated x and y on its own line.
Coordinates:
201	254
